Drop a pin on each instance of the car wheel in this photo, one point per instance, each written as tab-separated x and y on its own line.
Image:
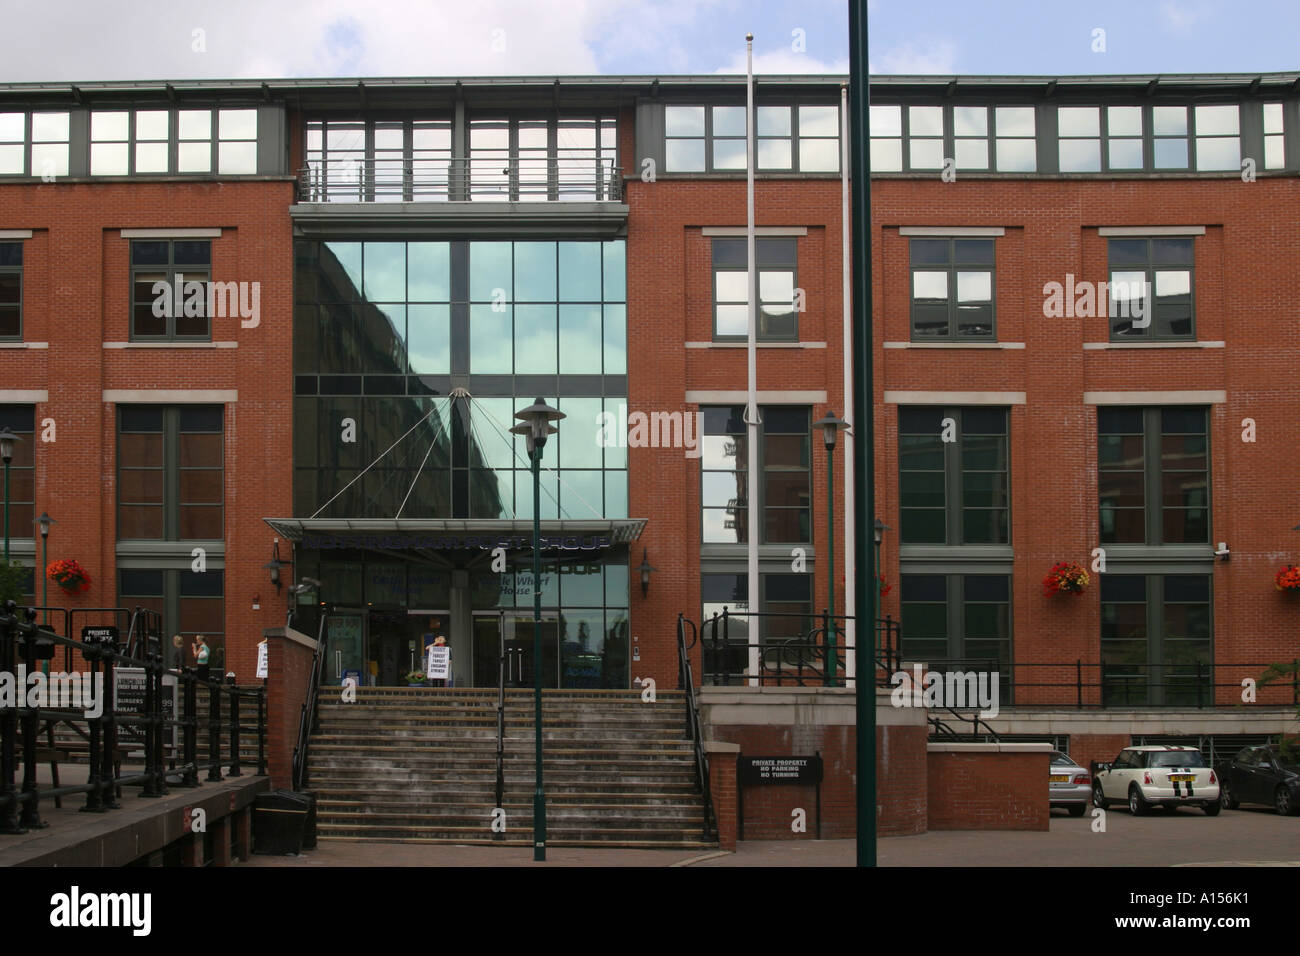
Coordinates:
1212	809
1137	804
1076	809
1227	799
1284	802
1098	799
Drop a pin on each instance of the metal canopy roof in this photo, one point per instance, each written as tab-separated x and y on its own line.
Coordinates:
620	531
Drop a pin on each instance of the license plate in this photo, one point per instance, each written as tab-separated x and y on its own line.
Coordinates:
1060	778
1182	777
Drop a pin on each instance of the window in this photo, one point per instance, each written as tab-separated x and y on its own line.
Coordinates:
952	288
787	597
34	144
130	142
956	491
11	291
1155	631
998	138
539	158
1274	140
958	622
170	473
195	601
1095	138
21	420
170	262
1153	472
785	462
1139	267
125	142
792	137
777	268
1215	132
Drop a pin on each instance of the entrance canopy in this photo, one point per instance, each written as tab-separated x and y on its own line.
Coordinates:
460	542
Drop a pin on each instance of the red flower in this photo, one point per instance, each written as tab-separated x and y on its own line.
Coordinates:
69	574
1065	577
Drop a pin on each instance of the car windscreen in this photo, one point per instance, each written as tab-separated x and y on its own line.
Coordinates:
1176	758
1059	759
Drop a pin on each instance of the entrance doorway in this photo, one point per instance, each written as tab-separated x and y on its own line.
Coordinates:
506	641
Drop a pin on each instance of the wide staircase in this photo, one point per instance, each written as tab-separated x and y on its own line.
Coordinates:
419	765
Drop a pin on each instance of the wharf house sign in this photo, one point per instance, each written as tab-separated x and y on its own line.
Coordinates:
444	542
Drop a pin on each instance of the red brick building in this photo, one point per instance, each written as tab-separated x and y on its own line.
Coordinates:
430	255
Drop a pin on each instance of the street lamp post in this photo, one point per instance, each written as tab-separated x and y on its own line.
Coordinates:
45	521
830	428
535	425
7	439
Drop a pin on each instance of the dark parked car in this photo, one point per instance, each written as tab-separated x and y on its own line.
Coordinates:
1261	775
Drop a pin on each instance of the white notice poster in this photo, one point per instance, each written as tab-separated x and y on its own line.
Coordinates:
261	660
439	662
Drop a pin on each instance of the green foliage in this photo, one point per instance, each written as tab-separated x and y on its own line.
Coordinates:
14	581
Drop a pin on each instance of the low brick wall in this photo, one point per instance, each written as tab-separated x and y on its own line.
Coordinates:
988	786
804	721
289	657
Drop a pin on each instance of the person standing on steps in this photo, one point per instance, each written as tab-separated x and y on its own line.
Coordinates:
201	654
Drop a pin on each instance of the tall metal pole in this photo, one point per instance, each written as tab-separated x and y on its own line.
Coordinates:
539	800
753	521
864	488
831	662
6	511
846	238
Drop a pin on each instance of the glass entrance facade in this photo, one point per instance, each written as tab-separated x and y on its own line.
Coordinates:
411	359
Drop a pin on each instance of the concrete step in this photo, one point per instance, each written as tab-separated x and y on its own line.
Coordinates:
632	837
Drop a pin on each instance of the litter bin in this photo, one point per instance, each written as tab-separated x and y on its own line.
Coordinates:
279	821
309	828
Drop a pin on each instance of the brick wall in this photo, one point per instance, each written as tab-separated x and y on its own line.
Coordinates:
288	668
988	787
76	297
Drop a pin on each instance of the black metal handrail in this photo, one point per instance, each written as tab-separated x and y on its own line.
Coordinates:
307	713
501	710
800	661
1099	686
93	690
686	680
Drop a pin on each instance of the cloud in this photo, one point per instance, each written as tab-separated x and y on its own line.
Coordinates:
784	62
1181	17
930	55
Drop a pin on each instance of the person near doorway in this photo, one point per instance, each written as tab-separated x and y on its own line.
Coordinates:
439	642
201	655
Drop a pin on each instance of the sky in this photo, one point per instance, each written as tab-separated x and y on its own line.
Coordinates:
87	40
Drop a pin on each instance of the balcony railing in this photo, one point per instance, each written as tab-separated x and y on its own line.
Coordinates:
577	176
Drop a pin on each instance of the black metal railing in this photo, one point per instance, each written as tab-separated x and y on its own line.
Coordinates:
501	709
1082	685
686	681
816	657
307	714
122	723
578	175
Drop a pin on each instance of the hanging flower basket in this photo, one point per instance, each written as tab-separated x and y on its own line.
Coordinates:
69	575
884	588
1288	579
1066	577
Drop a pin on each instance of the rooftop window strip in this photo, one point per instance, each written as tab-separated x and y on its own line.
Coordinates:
1274	140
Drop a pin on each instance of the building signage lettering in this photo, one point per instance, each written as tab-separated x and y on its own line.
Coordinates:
796	770
395	542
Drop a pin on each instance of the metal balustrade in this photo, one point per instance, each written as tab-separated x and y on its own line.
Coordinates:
577	176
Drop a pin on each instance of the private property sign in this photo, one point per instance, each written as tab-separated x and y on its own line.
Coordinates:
766	771
791	770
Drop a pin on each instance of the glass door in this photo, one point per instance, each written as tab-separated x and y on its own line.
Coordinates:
345	647
506	642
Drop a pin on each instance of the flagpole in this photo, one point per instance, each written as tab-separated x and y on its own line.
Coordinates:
752	521
846	240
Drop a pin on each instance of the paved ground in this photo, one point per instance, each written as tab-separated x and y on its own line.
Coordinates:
1185	838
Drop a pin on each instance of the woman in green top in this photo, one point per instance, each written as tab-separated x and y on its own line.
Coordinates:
201	652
